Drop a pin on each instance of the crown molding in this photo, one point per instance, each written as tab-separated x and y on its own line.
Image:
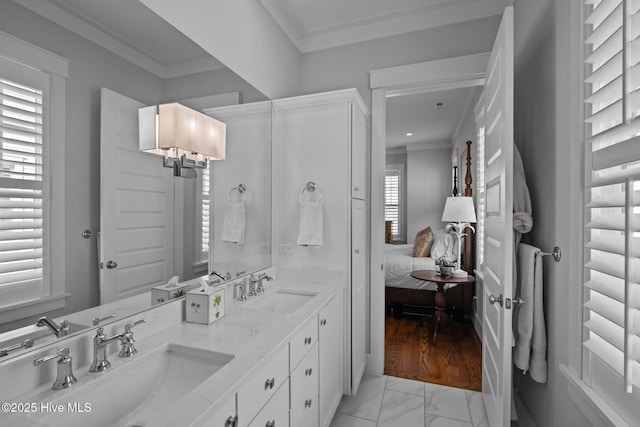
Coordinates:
429	16
76	25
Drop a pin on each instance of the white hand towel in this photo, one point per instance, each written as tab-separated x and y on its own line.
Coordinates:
530	353
234	223
310	231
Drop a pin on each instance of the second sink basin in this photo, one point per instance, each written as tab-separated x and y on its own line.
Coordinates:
281	300
137	392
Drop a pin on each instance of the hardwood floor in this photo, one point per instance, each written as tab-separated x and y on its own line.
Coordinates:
455	361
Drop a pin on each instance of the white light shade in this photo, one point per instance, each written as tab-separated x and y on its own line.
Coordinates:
173	130
459	209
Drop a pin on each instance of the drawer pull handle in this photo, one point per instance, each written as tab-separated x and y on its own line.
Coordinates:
271	423
323	322
308	372
232	421
307	403
268	385
307	340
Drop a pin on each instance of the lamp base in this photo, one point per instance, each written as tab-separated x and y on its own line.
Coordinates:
460	273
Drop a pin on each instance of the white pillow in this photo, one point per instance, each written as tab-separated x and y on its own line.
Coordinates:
444	245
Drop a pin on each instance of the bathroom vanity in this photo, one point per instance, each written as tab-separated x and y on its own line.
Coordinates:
274	360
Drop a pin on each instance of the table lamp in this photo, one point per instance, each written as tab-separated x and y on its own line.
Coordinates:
459	212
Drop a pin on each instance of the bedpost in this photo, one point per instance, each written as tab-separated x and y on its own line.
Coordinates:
468	192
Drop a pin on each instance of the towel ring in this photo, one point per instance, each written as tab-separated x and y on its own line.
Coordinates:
311	187
241	189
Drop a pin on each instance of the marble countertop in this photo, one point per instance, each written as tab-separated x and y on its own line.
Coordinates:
247	334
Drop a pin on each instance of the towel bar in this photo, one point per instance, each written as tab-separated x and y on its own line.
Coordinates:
240	188
556	254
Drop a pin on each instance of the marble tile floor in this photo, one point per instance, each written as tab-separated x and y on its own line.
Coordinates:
398	402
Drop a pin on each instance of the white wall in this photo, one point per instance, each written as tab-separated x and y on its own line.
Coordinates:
543	134
428	185
349	66
241	35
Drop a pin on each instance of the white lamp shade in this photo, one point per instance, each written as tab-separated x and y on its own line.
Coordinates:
459	209
174	130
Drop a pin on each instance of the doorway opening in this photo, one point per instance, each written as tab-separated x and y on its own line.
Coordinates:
402	342
426	133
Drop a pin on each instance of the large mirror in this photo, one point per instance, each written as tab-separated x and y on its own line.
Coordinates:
192	80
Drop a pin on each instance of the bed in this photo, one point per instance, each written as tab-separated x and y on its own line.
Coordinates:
405	294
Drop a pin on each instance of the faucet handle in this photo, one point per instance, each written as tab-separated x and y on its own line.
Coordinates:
127	348
65	376
128	326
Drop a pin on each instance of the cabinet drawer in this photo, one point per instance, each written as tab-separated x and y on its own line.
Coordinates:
262	385
276	412
302	342
304	388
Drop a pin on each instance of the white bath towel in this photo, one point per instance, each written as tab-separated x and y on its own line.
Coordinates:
530	353
310	231
234	223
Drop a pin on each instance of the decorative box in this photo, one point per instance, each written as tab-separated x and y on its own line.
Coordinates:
205	305
168	291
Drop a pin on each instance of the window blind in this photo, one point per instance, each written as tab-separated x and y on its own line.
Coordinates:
21	204
205	206
392	200
612	193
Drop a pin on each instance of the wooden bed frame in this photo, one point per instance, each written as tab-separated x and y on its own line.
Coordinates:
459	299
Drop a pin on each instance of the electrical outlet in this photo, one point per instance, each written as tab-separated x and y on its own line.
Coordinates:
286	249
264	248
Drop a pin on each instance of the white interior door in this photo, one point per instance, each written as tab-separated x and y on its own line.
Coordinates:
498	241
136	205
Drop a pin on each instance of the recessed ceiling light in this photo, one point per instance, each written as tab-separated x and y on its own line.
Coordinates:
409	134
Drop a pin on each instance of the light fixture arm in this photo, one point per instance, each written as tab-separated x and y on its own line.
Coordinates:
459	228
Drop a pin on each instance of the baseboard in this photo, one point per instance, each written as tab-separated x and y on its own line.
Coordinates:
523	415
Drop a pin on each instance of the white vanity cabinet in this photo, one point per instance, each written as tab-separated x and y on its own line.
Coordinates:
224	414
304	390
255	392
276	412
330	372
321	138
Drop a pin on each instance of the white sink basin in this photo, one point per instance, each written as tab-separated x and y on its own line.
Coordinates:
137	392
39	335
281	301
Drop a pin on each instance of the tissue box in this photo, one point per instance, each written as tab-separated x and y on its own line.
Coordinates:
164	293
205	305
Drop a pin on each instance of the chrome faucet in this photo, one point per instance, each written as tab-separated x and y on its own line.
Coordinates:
65	377
28	343
127	349
264	276
58	331
252	285
224	278
100	342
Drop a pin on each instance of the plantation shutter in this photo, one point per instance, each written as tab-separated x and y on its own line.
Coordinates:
205	206
392	200
480	189
612	193
21	198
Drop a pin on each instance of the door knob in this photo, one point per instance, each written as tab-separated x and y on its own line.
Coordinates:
112	264
493	300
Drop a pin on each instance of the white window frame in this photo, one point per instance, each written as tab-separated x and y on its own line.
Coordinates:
402	204
595	407
57	68
202	256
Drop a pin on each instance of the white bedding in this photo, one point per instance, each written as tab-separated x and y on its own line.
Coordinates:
400	262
